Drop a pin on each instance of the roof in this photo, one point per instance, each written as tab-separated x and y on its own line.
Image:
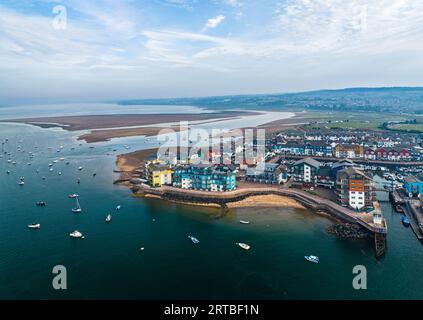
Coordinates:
353	171
309	161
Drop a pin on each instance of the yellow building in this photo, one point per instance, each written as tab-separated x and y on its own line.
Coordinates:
158	173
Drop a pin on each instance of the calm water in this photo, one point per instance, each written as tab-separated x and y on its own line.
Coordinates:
109	264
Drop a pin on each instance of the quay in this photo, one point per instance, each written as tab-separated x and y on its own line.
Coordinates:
416	218
316	203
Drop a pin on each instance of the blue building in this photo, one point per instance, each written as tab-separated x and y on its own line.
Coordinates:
413	185
204	177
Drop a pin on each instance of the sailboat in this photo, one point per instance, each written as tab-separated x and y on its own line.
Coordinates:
77	209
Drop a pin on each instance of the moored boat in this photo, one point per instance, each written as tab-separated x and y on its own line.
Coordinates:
399	209
243	245
109	218
193	239
244	222
76	234
34	226
73	196
405	221
41	204
313	259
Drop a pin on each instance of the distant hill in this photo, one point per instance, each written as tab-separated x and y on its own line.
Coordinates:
385	99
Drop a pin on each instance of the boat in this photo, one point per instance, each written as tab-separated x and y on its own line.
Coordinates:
109	218
94	174
8	172
73	196
399	209
405	221
193	239
76	234
41	204
244	221
80	168
21	183
34	226
118	207
142	248
243	245
77	209
313	259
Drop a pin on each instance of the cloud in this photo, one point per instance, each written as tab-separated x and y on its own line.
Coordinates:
233	3
214	22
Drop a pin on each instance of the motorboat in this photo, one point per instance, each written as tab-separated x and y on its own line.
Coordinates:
193	239
244	222
405	221
109	218
34	226
311	258
243	245
76	234
80	168
118	207
21	183
41	204
73	196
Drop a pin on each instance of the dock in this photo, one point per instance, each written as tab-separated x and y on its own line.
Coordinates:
415	217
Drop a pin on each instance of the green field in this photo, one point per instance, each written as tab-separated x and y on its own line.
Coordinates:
416	127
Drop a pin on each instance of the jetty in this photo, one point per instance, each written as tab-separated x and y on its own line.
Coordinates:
373	221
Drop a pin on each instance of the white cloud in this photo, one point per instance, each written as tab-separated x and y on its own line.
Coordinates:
233	3
214	22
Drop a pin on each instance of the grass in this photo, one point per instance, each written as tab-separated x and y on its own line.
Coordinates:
416	127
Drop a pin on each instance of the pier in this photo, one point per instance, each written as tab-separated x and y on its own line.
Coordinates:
316	203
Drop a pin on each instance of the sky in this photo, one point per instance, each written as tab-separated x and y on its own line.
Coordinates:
82	50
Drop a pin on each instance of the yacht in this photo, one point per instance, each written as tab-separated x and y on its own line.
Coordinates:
76	234
80	168
244	221
313	259
41	204
34	226
78	208
193	239
243	245
109	218
73	196
118	207
21	183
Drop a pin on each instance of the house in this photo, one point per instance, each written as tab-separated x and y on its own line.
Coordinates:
294	148
271	173
349	151
324	177
318	148
355	188
413	185
216	178
158	173
369	154
305	170
342	164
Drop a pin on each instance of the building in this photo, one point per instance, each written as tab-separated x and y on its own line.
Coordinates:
271	173
305	170
355	188
324	177
318	148
349	151
217	178
158	173
413	185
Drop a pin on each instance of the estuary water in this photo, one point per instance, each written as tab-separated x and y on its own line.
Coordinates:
108	263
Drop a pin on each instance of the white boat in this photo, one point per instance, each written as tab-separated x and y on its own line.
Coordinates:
73	196
142	248
21	183
77	209
193	239
109	218
243	245
80	168
311	258
34	226
244	221
76	234
118	207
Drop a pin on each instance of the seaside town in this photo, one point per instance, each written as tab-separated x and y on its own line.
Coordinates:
337	172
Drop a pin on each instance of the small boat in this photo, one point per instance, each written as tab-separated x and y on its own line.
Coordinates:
40	204
243	245
78	208
73	196
142	248
94	174
80	168
313	259
21	183
34	226
76	234
399	209
51	170
109	218
244	221
8	172
78	181
118	207
405	221
193	239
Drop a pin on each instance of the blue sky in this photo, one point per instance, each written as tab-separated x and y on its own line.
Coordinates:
119	49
